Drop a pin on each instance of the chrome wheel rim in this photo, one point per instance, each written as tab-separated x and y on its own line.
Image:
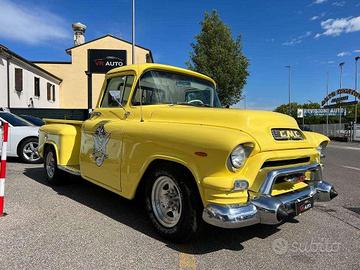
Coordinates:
166	201
50	164
30	151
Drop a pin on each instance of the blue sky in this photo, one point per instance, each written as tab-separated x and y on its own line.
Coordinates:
313	36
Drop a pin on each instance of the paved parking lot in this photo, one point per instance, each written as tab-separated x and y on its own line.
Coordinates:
81	226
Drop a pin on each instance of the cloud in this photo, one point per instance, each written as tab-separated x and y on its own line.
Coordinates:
319	1
330	62
317	17
356	51
342	54
297	40
336	27
29	24
339	3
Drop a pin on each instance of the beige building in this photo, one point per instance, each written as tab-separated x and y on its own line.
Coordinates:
75	83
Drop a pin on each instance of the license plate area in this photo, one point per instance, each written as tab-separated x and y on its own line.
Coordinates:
303	205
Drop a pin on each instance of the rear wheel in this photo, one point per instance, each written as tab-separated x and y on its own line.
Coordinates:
28	150
53	174
172	204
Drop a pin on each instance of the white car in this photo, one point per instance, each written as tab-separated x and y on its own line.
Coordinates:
23	138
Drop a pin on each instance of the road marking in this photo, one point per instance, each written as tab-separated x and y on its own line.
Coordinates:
187	261
353	168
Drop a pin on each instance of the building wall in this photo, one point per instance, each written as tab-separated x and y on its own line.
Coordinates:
3	81
22	99
74	85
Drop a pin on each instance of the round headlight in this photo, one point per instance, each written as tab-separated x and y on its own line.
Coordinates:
238	156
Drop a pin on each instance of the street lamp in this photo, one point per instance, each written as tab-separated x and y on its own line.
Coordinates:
327	103
133	31
289	88
341	71
356	85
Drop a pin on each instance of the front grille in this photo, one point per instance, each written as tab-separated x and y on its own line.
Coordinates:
278	163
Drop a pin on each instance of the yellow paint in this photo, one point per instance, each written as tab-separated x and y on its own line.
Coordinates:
73	89
187	262
175	133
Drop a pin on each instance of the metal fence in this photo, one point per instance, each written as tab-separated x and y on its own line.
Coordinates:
337	131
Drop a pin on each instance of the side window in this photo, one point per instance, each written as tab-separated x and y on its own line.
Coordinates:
117	91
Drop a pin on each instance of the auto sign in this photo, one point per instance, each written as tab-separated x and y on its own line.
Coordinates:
101	61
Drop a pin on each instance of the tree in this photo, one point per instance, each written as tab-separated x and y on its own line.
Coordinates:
215	53
284	108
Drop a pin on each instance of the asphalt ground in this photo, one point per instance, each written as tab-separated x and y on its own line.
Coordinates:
81	226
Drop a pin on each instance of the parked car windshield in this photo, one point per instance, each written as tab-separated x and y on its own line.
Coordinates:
163	87
33	120
14	120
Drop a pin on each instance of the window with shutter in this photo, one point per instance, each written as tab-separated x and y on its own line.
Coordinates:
36	86
18	79
53	92
48	91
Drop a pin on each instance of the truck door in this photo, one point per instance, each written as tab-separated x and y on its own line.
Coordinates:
102	135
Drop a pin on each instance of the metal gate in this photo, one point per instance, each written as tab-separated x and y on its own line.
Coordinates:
357	132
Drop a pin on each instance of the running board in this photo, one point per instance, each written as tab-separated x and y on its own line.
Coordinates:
72	169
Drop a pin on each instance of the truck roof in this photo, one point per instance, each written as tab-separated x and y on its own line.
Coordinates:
140	68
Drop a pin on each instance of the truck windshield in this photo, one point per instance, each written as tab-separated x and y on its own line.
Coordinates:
163	87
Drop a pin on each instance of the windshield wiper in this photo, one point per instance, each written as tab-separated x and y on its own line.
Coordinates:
192	104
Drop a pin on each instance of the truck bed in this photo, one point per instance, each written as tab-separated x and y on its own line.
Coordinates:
62	121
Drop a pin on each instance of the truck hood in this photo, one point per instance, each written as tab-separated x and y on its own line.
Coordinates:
257	124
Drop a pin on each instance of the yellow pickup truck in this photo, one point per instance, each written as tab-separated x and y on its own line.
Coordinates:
159	132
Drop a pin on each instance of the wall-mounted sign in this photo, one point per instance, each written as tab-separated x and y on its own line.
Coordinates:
300	113
101	61
339	99
342	91
341	104
321	112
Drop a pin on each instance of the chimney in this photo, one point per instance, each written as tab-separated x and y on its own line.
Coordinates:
79	30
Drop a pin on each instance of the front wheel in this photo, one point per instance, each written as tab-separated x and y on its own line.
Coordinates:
172	205
53	174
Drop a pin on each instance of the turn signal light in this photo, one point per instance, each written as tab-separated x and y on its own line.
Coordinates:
240	185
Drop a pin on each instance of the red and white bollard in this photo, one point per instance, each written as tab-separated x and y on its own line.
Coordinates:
5	133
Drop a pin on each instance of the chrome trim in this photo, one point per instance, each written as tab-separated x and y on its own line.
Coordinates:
325	191
267	209
230	216
270	179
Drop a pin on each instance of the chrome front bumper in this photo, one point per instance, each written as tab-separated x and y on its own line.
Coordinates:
267	209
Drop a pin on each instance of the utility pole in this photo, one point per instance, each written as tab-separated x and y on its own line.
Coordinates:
327	103
341	71
289	87
356	85
133	31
